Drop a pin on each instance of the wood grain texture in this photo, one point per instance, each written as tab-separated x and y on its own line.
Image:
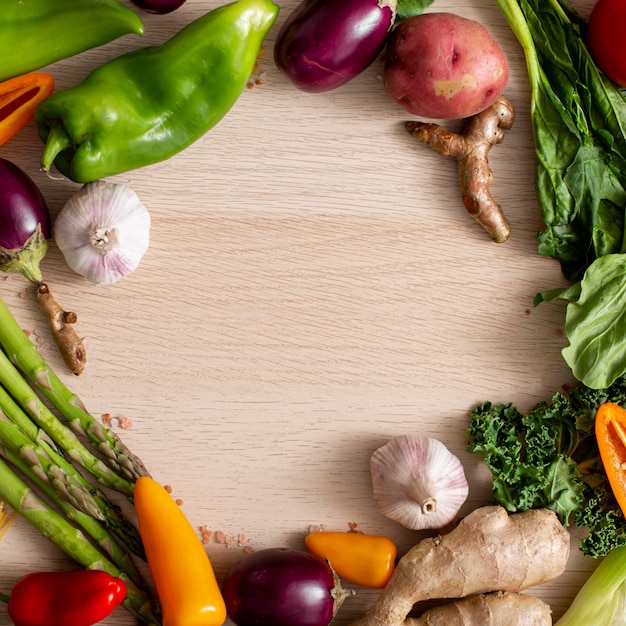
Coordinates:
313	287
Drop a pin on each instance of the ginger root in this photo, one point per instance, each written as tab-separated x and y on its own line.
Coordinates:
488	609
489	550
70	345
470	148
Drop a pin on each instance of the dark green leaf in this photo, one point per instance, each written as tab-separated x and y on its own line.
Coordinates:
409	8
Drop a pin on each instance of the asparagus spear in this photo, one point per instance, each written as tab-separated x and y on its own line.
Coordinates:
95	529
106	510
69	539
32	404
25	356
72	491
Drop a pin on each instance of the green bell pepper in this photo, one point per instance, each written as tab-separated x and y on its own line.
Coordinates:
36	33
149	104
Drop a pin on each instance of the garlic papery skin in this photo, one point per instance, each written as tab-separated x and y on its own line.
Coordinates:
418	482
103	231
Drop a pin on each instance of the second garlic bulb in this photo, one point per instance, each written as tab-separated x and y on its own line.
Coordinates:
418	482
103	231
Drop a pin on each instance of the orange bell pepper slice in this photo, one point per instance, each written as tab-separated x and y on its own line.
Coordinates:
367	560
19	98
610	427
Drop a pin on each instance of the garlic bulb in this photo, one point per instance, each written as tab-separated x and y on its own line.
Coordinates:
103	231
418	482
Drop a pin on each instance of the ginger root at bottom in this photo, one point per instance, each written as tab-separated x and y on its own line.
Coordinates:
489	550
470	148
488	609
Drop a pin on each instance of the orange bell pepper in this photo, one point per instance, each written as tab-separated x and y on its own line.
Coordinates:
19	97
610	427
367	560
181	570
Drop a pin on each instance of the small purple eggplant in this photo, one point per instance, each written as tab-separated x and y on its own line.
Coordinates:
282	587
25	227
325	43
159	6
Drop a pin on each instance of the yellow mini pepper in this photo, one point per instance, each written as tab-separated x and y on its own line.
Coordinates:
182	572
367	560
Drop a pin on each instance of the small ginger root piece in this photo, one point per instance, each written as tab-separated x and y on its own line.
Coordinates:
488	609
470	148
70	345
489	550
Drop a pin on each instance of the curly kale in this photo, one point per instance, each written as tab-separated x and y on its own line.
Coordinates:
549	459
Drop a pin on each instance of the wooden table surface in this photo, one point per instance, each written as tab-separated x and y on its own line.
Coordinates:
313	288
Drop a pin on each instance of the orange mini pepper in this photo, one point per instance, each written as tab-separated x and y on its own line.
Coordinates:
610	427
367	560
19	97
183	575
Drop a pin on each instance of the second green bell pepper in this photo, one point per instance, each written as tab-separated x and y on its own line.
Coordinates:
36	33
149	104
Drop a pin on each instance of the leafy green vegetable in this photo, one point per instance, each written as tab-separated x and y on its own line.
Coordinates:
549	459
595	321
602	599
409	8
579	125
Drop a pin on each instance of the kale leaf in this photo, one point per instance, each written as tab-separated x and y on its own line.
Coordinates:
549	459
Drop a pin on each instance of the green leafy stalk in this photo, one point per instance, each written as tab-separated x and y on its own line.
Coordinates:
579	124
25	356
69	539
26	397
602	599
549	458
42	452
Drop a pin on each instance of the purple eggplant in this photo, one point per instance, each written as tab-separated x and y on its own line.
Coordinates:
25	225
158	6
281	587
325	43
25	229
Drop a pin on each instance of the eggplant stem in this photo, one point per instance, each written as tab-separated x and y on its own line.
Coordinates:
70	345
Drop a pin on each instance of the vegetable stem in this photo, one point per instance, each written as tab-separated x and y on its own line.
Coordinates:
601	598
515	18
57	141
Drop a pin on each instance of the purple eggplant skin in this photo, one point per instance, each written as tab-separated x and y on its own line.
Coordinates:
323	44
158	6
22	208
281	587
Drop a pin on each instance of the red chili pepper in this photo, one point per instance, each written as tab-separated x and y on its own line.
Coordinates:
78	598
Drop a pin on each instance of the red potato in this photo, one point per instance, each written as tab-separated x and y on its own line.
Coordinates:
441	65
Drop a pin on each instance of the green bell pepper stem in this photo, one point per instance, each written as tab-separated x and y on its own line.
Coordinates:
36	33
58	141
149	104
